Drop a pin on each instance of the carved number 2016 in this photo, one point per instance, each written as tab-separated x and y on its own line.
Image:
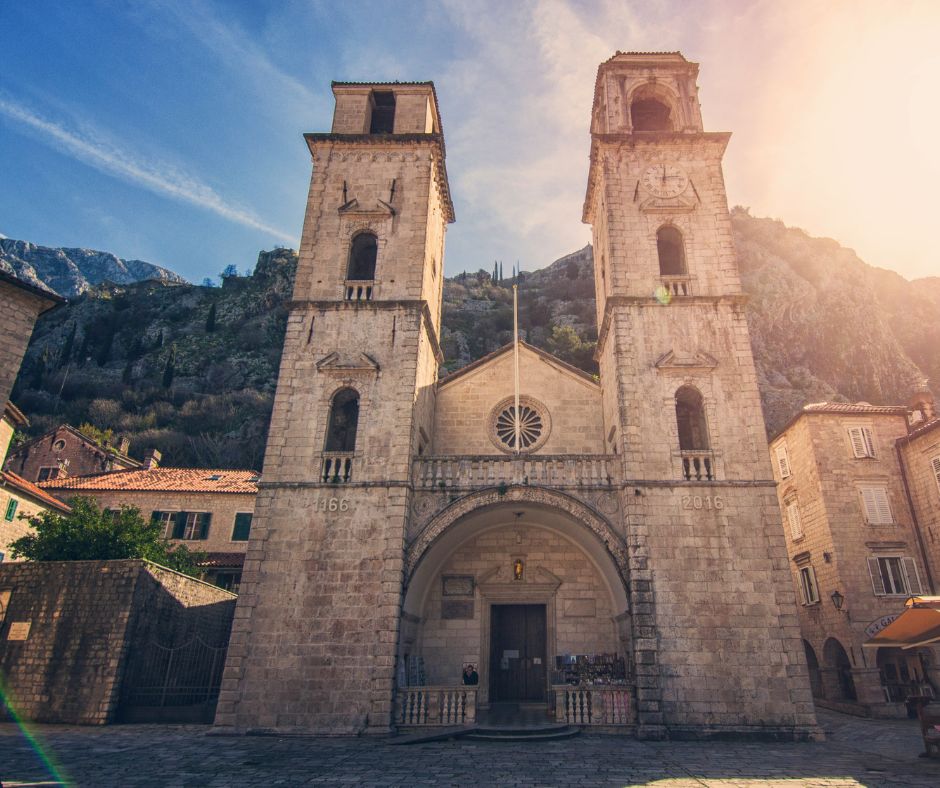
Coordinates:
702	502
332	505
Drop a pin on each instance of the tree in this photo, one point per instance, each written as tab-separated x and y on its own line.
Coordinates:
102	437
207	282
230	270
210	321
159	342
68	347
89	534
170	368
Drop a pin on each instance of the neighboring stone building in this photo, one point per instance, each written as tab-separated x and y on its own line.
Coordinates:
65	451
20	304
209	511
20	499
625	535
856	546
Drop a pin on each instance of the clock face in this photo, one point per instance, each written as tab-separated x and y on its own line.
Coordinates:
664	180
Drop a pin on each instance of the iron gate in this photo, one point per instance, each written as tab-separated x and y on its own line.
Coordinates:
173	684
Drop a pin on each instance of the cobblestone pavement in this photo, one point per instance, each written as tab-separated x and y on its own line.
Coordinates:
857	752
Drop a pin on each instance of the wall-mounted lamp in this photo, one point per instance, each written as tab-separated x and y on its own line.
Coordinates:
837	600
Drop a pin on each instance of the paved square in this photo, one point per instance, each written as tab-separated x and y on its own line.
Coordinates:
857	752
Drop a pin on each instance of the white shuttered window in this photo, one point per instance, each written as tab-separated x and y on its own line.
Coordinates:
876	506
894	576
793	518
783	461
809	590
862	443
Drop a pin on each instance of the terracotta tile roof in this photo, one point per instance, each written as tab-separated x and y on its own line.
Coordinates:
24	487
927	426
223	560
163	479
853	407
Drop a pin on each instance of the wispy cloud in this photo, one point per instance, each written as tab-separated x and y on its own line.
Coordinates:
239	51
158	177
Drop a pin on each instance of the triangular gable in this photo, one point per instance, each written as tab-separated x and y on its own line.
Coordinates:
684	361
524	347
352	208
338	364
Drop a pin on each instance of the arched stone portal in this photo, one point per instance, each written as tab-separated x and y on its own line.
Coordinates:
491	554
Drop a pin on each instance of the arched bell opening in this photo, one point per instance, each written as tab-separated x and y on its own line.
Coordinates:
517	591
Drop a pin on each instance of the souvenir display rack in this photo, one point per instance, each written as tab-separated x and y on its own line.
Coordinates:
579	669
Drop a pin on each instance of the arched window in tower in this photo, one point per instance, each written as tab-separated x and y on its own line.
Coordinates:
341	436
650	114
360	270
344	421
671	251
690	418
697	461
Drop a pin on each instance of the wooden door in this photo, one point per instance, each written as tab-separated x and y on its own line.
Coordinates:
517	653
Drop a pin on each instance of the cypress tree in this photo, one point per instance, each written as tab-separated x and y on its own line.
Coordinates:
69	345
159	339
170	368
210	321
500	270
127	375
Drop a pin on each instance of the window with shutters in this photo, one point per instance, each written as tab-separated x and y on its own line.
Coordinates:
184	525
783	461
863	445
48	472
792	506
11	509
242	528
935	466
875	505
894	575
809	590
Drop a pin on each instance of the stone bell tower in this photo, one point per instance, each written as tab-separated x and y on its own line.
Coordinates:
718	641
314	642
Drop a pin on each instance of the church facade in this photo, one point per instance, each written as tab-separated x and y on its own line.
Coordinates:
616	557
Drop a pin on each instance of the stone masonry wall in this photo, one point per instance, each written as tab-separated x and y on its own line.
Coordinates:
18	313
925	493
462	420
85	618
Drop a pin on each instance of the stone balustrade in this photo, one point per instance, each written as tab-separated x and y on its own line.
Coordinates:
698	466
594	705
428	706
337	467
472	472
359	289
677	285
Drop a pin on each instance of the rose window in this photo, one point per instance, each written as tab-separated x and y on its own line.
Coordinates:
535	424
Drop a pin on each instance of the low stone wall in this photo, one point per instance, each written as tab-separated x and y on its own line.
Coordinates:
69	629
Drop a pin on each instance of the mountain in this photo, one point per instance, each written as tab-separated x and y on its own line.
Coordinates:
71	272
191	370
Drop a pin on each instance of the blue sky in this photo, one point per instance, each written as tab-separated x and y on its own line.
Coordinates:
171	131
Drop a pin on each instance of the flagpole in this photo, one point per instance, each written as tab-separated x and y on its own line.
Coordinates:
515	343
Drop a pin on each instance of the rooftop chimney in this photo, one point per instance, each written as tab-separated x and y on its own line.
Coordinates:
124	445
152	459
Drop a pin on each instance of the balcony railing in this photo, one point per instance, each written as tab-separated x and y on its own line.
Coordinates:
428	706
470	472
593	705
698	466
677	285
359	289
337	467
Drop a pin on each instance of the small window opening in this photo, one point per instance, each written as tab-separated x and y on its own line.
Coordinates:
690	418
648	114
344	421
671	251
383	112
